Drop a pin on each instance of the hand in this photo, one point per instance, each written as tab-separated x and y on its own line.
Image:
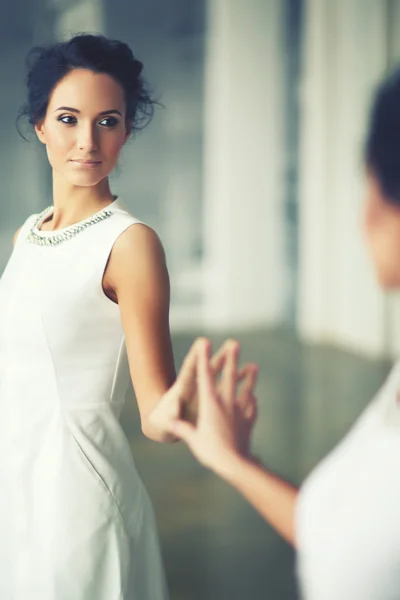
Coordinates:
225	417
181	400
187	388
246	408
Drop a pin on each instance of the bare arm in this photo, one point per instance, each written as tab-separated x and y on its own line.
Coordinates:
215	439
138	274
272	497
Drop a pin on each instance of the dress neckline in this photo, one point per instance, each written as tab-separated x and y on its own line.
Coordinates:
49	210
50	237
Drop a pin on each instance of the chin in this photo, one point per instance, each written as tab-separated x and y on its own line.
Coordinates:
85	180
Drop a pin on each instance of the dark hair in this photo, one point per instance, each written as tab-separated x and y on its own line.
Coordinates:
382	150
48	65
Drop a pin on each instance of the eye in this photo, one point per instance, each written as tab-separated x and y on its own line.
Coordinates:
67	119
109	122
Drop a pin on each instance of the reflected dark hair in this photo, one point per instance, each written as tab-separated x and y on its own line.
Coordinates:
382	149
48	65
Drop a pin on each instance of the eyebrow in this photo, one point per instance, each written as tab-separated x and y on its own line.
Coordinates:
75	110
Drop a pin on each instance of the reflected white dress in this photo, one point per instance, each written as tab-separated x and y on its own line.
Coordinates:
348	511
75	520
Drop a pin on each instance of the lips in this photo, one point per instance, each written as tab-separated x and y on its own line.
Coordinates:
85	162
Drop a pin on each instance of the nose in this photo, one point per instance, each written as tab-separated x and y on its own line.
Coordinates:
87	138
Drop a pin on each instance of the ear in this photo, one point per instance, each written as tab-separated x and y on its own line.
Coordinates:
40	131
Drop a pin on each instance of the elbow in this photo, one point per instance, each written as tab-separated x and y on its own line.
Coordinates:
156	435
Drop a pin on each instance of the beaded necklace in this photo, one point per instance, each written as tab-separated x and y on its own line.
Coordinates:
36	235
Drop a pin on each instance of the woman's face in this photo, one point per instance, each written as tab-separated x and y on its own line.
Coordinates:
382	232
85	127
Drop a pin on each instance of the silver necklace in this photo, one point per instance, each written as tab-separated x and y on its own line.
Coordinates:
36	236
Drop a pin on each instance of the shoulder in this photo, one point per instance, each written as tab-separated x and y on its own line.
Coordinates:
137	259
140	240
132	233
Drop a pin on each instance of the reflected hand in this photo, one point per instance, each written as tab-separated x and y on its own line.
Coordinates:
226	416
181	401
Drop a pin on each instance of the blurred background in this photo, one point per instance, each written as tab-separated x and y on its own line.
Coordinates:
253	177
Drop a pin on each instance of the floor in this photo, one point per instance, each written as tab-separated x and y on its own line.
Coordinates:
214	544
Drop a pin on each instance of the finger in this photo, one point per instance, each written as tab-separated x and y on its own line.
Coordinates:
218	359
241	375
229	374
205	379
250	411
243	372
186	378
248	378
185	431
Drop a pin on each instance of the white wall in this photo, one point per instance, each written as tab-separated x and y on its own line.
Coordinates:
85	15
23	189
345	55
244	272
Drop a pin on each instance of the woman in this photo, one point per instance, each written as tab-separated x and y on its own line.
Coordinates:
344	520
84	305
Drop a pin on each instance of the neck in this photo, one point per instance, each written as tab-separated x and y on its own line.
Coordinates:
75	203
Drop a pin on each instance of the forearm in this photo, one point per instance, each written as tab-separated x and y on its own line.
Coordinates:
272	497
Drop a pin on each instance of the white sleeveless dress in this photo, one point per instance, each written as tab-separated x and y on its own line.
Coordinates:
75	520
348	510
